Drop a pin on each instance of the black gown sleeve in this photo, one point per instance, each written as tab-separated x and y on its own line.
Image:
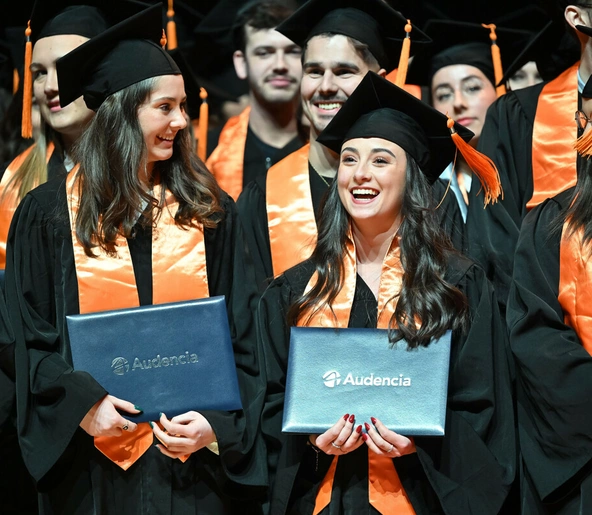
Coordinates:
554	371
52	398
230	273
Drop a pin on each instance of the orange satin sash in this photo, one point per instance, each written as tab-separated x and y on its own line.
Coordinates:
554	159
575	285
290	211
10	201
105	283
385	490
227	159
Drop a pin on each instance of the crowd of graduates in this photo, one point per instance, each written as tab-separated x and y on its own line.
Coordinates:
348	164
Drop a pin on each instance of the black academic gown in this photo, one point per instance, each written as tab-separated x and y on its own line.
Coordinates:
252	209
492	233
553	375
468	471
71	474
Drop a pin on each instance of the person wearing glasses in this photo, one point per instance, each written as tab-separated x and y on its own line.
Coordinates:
549	321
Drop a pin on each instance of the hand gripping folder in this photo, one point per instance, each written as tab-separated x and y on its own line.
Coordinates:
336	371
169	358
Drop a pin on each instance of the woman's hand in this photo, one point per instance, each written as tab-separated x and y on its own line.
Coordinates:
183	434
339	439
382	440
103	419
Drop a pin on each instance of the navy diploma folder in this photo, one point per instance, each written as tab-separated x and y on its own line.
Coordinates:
169	358
336	371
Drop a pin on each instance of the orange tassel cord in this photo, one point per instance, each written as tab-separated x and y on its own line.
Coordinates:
404	57
481	165
171	27
496	56
583	144
202	139
163	39
27	122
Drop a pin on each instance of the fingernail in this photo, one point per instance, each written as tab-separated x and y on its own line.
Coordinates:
359	428
346	416
367	426
352	418
364	436
138	408
160	414
151	424
373	420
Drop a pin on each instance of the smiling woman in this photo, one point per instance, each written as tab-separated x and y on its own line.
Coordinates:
382	261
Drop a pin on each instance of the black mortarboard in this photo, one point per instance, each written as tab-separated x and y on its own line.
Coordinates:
467	43
379	109
372	22
86	18
125	54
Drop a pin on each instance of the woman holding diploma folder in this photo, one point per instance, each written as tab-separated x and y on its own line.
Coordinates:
93	241
381	261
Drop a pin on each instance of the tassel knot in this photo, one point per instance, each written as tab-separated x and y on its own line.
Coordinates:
496	57
404	57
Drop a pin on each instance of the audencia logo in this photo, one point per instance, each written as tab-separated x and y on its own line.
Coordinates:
120	366
331	378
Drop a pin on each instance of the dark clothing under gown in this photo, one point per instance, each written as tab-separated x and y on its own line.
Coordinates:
553	374
469	471
72	476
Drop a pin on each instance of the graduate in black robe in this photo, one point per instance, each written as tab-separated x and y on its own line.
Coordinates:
53	400
471	468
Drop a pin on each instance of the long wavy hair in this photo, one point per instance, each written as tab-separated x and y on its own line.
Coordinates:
112	151
425	295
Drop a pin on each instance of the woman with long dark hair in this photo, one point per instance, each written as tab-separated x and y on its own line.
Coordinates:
551	341
140	221
381	261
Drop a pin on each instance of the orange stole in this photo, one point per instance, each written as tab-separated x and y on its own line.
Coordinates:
290	212
575	283
226	161
105	283
10	202
385	490
413	89
554	132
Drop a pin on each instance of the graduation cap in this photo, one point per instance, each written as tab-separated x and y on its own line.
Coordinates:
379	109
372	22
124	54
473	44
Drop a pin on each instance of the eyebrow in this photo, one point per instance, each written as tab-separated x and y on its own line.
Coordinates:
338	64
448	85
373	151
170	99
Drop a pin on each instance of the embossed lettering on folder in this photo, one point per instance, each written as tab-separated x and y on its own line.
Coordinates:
336	371
168	358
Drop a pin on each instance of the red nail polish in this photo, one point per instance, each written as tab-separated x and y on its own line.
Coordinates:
364	436
346	416
367	426
352	418
373	420
359	428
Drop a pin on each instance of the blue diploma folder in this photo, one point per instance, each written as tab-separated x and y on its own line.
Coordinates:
336	371
169	358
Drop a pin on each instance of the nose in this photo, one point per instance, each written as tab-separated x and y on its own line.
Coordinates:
50	87
459	101
279	64
327	85
362	173
179	121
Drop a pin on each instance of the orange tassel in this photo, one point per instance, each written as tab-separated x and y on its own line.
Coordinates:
27	123
202	141
404	57
483	167
163	39
496	56
171	27
583	144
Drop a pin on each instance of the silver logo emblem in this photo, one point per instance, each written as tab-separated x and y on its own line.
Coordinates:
120	366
